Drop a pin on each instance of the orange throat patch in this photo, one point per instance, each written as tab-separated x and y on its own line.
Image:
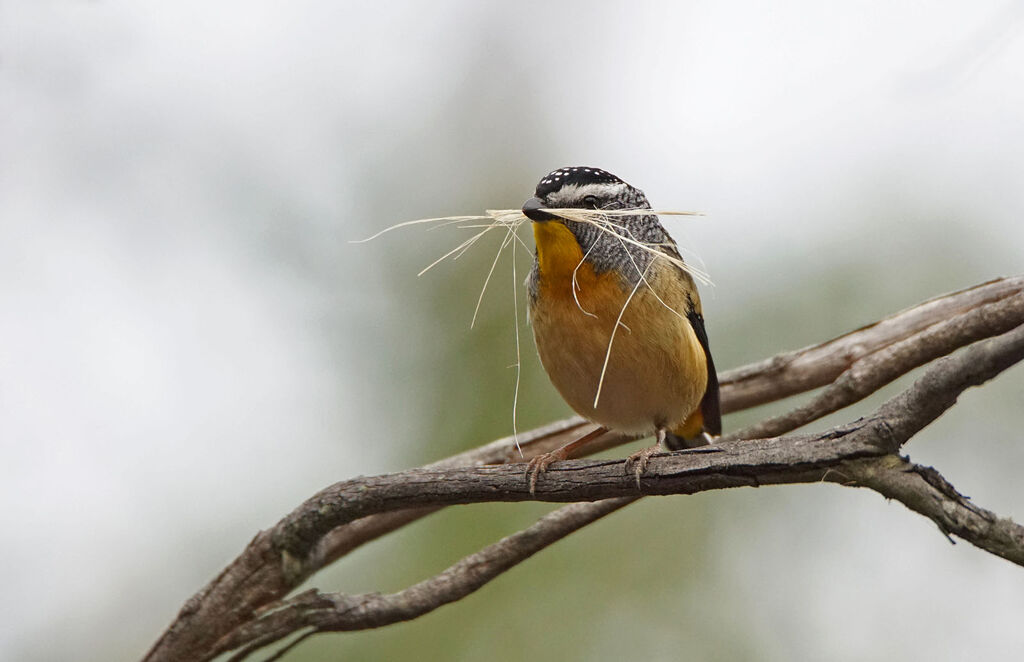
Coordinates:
561	266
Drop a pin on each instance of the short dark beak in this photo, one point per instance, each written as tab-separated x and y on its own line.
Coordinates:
532	210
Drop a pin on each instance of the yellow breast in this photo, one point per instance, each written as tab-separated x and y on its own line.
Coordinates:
562	270
653	372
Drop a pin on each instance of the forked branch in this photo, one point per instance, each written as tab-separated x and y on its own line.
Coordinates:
242	609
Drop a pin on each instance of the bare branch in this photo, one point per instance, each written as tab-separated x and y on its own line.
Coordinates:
923	490
860	454
276	561
356	612
889	345
728	464
875	368
818	365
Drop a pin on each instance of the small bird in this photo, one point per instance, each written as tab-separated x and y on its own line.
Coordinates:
617	318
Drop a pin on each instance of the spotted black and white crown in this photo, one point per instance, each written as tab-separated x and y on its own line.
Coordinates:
578	176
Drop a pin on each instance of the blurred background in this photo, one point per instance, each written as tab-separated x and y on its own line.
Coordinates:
190	346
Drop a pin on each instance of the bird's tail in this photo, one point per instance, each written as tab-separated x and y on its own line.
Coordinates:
690	434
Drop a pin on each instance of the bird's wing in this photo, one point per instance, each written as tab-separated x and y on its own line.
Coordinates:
710	406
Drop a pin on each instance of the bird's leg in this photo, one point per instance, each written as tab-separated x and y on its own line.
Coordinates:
637	462
539	464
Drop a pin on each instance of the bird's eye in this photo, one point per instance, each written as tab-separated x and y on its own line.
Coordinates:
590	201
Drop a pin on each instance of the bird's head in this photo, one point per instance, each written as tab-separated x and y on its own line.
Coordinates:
581	187
567	199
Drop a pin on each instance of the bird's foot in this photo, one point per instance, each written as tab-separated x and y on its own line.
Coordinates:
539	465
636	463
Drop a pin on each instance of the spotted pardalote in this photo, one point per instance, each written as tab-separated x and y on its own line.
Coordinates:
616	315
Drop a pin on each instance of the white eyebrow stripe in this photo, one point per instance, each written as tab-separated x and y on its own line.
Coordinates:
574	192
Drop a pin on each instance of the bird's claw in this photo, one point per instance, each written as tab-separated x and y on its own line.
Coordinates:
636	463
539	465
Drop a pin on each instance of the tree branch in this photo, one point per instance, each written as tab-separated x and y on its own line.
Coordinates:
356	612
923	490
790	373
859	454
750	386
227	614
794	458
875	368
